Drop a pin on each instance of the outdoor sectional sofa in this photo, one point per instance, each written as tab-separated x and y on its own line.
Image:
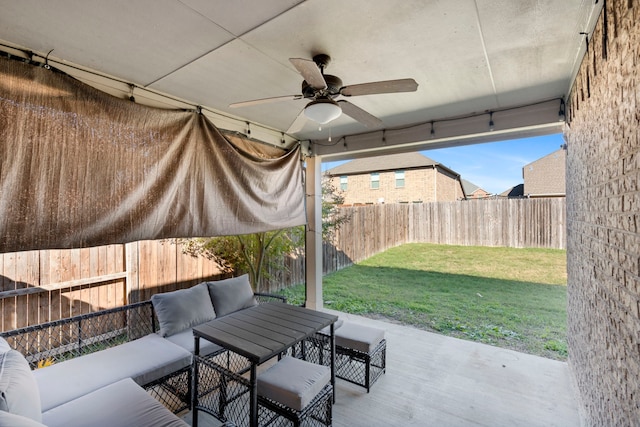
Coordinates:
102	363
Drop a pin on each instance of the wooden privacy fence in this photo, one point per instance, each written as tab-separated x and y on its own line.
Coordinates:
40	286
517	223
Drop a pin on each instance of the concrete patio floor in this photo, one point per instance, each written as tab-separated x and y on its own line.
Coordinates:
434	380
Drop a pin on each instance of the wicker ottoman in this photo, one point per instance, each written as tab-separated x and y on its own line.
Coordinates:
361	353
293	391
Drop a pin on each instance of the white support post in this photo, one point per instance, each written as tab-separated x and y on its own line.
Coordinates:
314	233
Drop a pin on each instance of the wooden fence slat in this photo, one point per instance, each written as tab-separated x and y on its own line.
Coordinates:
8	275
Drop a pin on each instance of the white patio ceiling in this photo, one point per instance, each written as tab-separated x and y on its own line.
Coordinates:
467	56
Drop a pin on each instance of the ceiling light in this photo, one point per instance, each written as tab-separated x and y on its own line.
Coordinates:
322	110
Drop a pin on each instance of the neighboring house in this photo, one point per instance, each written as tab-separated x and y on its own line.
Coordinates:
472	191
517	191
545	177
396	178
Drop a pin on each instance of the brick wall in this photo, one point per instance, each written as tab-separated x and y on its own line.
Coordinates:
603	220
546	176
449	188
420	185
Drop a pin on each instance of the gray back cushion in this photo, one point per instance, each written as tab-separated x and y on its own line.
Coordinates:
14	420
19	392
231	295
183	309
4	345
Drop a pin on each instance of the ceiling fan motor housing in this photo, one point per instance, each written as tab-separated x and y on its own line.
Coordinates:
334	84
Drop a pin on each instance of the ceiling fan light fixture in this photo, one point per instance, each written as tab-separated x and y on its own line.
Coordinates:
322	110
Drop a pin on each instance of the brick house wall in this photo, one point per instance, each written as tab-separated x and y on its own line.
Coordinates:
545	177
472	191
603	221
449	187
479	194
420	185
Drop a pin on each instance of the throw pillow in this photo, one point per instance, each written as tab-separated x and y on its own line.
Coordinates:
182	309
231	295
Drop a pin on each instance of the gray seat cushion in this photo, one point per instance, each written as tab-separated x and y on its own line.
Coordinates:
182	309
358	337
144	360
231	295
293	382
121	404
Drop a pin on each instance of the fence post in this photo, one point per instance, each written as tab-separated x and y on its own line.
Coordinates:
132	281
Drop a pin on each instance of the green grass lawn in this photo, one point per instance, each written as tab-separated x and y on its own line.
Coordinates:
511	298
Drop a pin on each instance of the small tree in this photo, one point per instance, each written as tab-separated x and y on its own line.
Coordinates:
255	253
332	218
251	253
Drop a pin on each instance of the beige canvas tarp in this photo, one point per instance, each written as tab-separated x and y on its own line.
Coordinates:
81	168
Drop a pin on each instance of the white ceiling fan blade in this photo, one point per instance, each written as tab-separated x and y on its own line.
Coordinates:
265	101
297	124
310	72
359	114
387	86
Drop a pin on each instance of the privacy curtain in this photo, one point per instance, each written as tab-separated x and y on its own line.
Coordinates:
82	168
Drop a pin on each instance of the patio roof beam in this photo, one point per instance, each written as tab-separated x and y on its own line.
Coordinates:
543	118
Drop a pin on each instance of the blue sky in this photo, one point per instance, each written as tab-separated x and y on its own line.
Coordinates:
493	166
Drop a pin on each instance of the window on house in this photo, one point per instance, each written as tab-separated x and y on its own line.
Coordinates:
343	183
399	179
375	180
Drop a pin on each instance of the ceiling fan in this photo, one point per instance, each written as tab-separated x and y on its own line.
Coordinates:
323	89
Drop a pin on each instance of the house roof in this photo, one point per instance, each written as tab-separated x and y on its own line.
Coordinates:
389	162
469	187
515	191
